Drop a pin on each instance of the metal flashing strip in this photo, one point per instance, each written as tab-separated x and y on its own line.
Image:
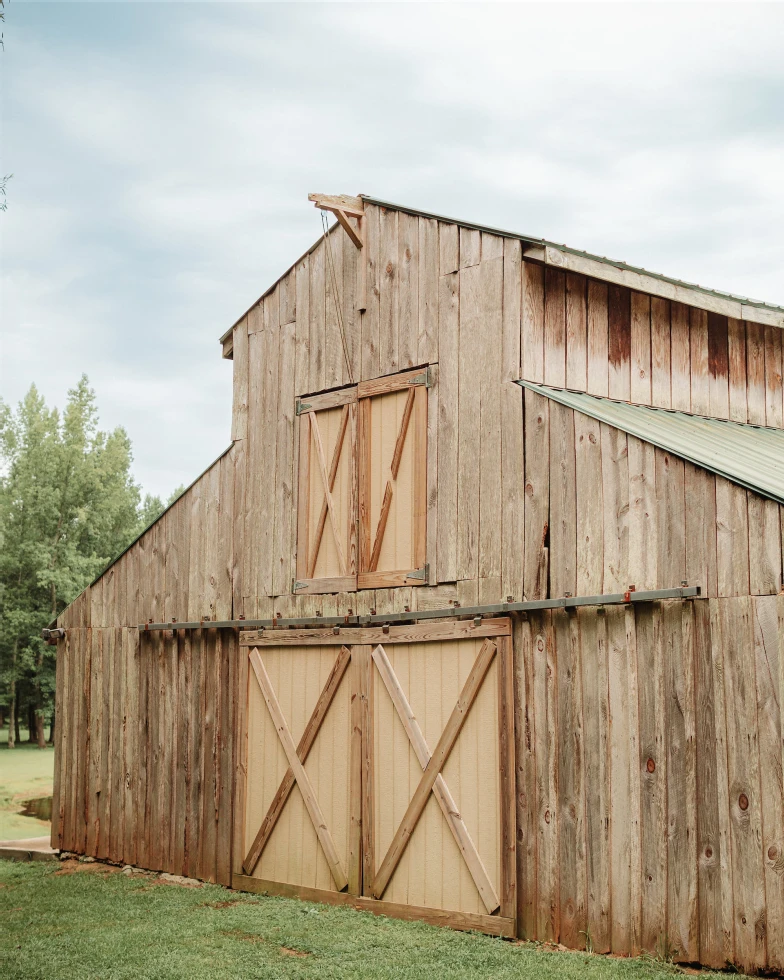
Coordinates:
750	455
451	612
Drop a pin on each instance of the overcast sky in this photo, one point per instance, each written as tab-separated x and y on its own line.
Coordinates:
162	156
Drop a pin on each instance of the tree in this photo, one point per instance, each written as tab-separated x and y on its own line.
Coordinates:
68	505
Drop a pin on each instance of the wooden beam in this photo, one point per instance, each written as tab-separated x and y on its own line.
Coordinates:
440	789
303	781
354	206
435	765
495	925
353	233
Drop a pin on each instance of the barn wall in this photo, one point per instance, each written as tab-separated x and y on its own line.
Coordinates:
144	761
605	510
649	779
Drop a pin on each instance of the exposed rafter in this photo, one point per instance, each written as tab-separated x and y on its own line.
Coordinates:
344	207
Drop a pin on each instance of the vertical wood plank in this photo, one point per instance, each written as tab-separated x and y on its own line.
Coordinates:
563	516
653	774
490	365
643	530
593	637
554	327
409	260
427	314
537	495
774	406
284	483
546	701
448	387
732	545
718	366
532	343
388	300
764	545
700	492
370	326
194	777
743	771
719	652
619	344
682	913
571	784
635	854
698	353
598	338
512	451
470	247
334	355
661	367
709	841
526	778
670	520
621	867
351	288
640	348
615	503
755	373
576	332
506	723
768	667
681	357
318	311
736	351
468	424
227	651
239	412
448	248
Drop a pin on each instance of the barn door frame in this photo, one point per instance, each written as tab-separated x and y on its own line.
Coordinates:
361	657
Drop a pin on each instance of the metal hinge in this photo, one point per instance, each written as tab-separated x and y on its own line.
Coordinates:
296	586
422	573
302	407
421	379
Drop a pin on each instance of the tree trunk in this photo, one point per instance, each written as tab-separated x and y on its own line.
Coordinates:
13	721
51	728
40	729
32	724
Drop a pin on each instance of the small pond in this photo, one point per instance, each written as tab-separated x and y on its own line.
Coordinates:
41	808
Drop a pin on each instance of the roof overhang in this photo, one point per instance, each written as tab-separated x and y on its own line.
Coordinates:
749	455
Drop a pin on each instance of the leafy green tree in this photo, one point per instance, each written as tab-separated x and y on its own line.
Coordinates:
68	505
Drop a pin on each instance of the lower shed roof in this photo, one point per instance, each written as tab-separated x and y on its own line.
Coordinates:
749	455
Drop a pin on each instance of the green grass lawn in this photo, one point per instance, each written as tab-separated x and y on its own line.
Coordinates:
26	772
96	924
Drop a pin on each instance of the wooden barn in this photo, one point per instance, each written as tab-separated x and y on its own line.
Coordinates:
479	618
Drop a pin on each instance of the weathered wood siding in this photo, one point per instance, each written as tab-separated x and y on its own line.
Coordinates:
144	761
649	761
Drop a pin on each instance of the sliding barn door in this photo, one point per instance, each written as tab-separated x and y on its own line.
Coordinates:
380	770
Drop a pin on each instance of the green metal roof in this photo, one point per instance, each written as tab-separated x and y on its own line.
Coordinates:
749	455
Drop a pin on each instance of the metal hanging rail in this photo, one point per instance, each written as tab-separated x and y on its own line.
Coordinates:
456	612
